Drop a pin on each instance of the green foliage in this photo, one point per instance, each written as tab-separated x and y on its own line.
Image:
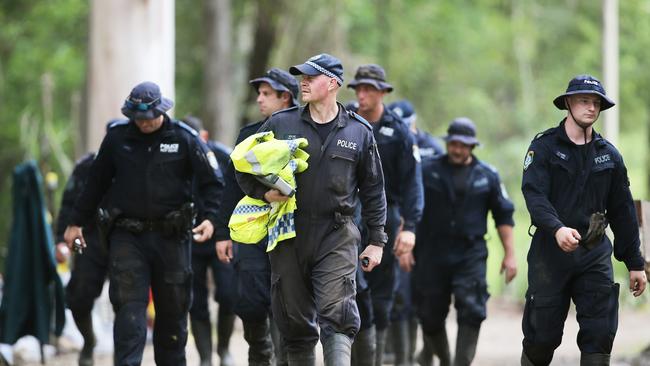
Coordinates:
37	38
499	62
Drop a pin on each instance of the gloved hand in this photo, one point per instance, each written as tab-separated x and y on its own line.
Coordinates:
597	225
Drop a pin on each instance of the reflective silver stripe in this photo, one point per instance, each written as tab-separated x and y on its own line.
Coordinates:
324	71
256	167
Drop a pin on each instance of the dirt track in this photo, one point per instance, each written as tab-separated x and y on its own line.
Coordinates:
499	344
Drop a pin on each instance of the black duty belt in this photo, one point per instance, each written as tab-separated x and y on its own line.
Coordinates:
139	226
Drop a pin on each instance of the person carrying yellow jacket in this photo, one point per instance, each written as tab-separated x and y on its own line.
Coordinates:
264	156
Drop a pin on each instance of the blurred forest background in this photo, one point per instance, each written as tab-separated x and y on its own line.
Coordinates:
499	62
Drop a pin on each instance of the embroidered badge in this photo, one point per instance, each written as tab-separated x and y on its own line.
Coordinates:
387	131
529	159
169	148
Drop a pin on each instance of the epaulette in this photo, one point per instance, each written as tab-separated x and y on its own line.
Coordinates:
186	127
544	133
357	117
116	122
285	110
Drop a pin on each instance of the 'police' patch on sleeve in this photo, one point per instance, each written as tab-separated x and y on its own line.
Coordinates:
416	153
387	131
529	159
212	160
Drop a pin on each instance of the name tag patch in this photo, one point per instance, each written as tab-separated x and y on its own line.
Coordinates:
480	182
602	159
169	148
347	144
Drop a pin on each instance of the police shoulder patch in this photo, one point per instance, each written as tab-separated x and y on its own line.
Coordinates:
212	159
358	118
186	127
529	159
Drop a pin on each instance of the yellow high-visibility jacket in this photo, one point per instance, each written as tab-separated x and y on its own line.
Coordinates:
252	219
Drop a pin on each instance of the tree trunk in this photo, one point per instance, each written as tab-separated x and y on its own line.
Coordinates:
218	106
268	12
130	41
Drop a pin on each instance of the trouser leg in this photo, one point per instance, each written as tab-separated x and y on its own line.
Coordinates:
202	333
199	313
129	294
171	289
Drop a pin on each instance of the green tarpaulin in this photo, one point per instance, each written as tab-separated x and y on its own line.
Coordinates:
32	301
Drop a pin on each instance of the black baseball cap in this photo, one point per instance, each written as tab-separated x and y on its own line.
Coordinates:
320	64
279	80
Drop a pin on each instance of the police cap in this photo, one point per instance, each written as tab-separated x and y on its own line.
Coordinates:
279	80
146	102
372	75
585	84
320	64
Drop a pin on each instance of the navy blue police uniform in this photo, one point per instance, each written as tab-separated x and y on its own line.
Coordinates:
147	178
564	184
428	145
451	252
89	270
313	275
252	281
204	256
404	200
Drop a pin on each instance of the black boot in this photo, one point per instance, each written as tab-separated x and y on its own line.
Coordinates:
400	340
337	349
225	325
389	352
437	345
466	345
305	358
202	332
524	360
363	348
84	323
260	347
380	343
594	359
413	338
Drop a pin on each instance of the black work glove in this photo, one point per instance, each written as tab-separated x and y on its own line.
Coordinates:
597	225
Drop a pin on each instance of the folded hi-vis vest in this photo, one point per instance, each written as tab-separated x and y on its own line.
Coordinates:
262	155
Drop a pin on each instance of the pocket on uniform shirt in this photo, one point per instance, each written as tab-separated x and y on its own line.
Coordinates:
342	165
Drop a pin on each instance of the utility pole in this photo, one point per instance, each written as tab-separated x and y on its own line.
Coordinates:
130	41
610	67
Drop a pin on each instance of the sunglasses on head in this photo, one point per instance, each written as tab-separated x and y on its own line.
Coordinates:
141	106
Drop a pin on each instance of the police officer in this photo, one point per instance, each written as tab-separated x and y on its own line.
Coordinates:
451	253
403	318
400	163
574	182
276	90
428	146
146	166
204	256
313	275
88	270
